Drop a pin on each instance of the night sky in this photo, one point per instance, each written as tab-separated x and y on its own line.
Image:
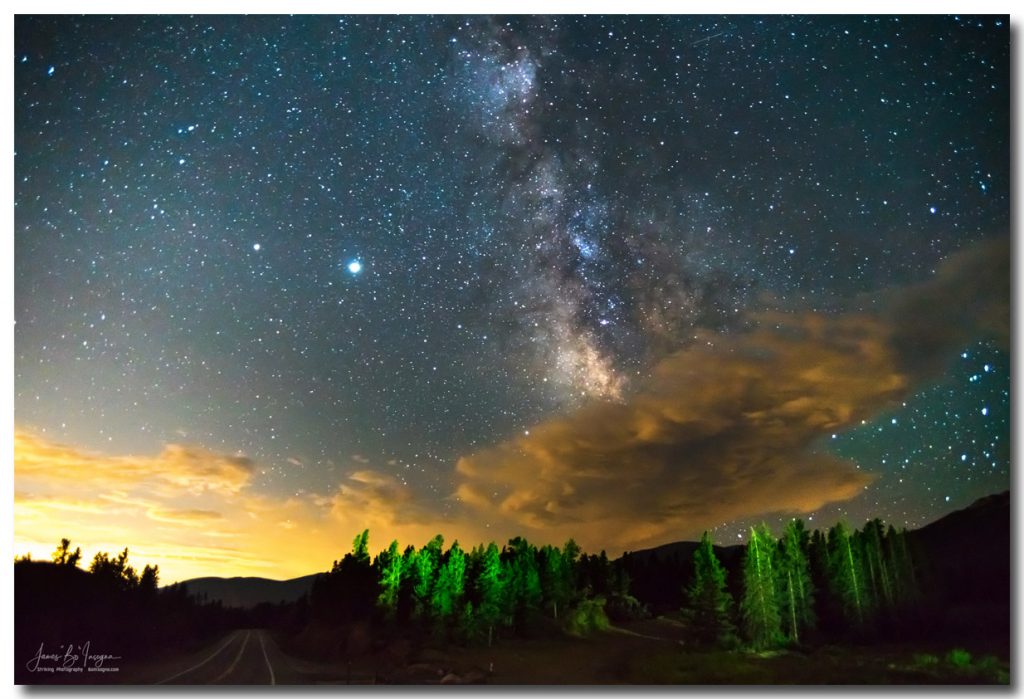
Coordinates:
624	279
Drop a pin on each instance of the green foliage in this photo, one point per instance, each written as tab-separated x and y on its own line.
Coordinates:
468	625
491	589
391	567
958	657
450	585
710	603
523	593
760	607
925	660
846	577
360	547
587	617
794	576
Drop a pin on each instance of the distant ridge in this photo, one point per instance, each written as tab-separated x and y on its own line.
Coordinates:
249	592
988	516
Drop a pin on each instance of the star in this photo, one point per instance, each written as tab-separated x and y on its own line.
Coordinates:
355	266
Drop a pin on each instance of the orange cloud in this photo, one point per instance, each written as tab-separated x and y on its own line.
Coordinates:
195	512
191	468
731	427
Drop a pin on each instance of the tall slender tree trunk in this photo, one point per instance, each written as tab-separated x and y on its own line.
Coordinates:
760	587
856	585
792	607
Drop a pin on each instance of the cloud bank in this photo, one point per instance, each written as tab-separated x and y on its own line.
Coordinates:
732	426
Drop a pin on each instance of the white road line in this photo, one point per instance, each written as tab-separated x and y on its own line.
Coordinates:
267	660
203	662
234	662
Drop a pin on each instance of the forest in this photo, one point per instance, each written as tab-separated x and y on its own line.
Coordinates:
796	592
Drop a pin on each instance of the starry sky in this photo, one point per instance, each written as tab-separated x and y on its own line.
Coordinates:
617	278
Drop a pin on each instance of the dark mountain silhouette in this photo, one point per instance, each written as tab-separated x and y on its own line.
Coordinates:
249	592
966	557
968	554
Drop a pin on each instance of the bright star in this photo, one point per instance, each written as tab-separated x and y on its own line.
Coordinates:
355	266
256	247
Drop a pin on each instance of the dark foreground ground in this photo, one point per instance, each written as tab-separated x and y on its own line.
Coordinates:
649	652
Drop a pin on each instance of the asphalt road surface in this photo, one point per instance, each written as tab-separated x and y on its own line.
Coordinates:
246	656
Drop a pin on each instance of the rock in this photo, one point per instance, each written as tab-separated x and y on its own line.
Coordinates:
451	678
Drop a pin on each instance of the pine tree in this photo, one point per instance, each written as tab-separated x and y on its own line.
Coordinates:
874	551
710	601
555	578
869	573
149	580
905	578
360	547
846	574
794	576
390	567
760	607
571	555
491	590
448	590
425	569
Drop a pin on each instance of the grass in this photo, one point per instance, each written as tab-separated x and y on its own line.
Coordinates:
660	652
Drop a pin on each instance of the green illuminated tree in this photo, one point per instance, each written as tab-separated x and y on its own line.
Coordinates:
523	594
847	577
794	575
425	568
710	601
760	606
450	585
491	590
390	565
360	547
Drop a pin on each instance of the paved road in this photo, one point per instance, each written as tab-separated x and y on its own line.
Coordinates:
246	656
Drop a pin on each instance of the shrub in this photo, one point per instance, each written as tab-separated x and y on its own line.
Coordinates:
925	660
622	608
958	657
587	617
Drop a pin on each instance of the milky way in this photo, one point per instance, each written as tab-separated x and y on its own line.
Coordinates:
358	245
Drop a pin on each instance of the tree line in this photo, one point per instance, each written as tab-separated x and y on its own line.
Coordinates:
851	582
459	595
115	607
799	586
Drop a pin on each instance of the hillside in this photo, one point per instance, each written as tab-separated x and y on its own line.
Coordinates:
250	591
968	554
